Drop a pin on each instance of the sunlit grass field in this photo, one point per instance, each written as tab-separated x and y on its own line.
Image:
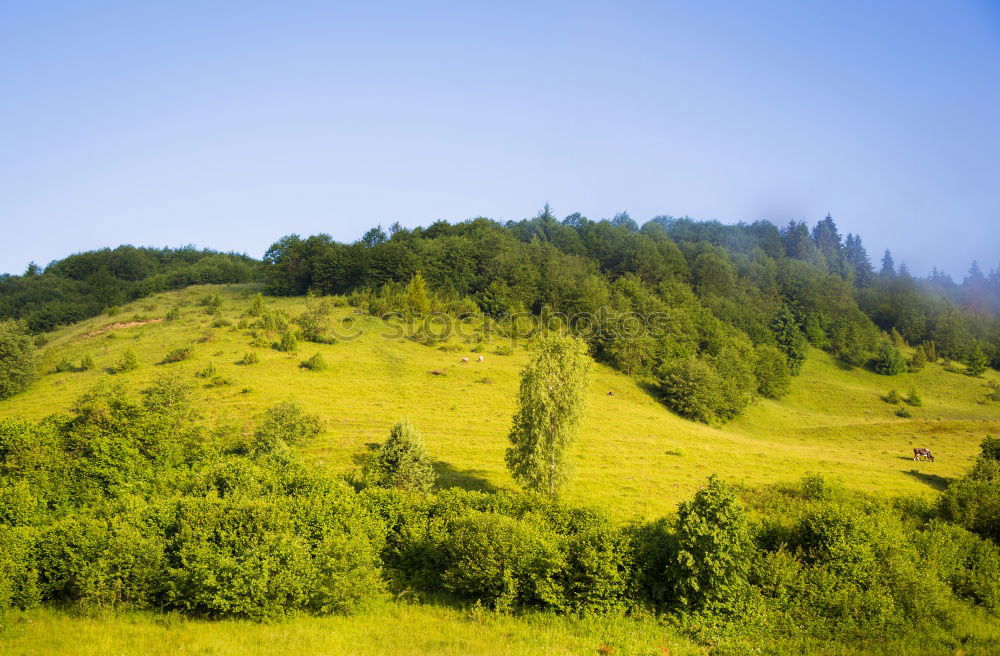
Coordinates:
395	628
633	456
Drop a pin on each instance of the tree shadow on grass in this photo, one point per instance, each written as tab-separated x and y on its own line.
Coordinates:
937	482
447	474
360	459
651	389
467	479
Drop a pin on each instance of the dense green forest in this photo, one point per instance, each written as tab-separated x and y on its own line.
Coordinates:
715	314
87	284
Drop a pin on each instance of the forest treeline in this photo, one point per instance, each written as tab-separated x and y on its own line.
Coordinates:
718	314
86	284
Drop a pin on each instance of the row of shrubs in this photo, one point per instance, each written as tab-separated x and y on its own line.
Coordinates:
131	500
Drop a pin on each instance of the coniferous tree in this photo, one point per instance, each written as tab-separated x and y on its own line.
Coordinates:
888	266
858	260
796	239
888	360
402	462
975	361
930	348
827	240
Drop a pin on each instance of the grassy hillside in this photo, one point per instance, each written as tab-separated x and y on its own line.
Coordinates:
634	456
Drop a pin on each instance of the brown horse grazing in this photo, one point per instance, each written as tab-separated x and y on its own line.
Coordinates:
923	454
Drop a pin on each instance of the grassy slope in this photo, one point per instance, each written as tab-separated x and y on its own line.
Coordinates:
633	456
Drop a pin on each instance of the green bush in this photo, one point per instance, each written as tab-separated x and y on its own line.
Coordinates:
892	397
98	562
257	306
973	504
503	562
250	357
315	363
266	558
904	412
127	362
401	462
969	564
18	570
714	547
173	314
87	363
288	343
862	571
888	360
600	570
315	322
63	366
177	355
773	377
17	359
913	398
285	423
691	387
815	487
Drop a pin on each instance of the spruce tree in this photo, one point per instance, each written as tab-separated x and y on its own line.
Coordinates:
888	266
402	462
975	361
930	349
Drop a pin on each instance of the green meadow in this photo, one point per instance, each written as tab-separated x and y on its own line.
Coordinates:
633	456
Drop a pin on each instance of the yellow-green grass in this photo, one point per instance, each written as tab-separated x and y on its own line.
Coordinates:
402	629
633	456
396	628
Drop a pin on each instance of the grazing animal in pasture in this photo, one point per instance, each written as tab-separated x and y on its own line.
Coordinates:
923	454
464	360
436	372
480	359
610	393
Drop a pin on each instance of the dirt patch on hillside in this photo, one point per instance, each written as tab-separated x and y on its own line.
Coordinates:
119	326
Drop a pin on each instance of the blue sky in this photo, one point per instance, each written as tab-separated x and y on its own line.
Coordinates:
232	124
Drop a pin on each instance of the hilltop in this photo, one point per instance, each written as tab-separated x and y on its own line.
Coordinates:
634	456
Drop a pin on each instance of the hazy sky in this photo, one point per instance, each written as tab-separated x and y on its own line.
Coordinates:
232	124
